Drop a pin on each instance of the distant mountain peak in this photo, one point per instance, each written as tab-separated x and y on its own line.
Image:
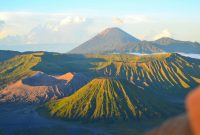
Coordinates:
115	32
111	30
165	39
108	40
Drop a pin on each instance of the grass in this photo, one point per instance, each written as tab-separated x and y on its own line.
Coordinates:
18	68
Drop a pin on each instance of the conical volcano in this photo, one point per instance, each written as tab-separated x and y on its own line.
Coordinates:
108	40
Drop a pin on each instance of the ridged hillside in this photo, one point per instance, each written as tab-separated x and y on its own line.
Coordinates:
162	71
108	99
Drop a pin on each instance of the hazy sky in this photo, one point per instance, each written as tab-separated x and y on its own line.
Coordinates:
60	25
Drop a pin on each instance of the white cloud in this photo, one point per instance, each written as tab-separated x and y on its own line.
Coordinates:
51	33
131	19
36	28
164	33
3	31
72	19
118	21
2	23
12	40
135	19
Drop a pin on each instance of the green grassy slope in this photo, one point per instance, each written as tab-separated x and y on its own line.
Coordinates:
109	99
18	67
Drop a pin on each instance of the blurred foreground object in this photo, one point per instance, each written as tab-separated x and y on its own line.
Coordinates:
193	110
187	124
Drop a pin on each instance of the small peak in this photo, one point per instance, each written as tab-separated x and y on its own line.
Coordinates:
111	29
68	76
38	73
165	39
18	83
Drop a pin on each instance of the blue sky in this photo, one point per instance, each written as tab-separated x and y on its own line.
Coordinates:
112	7
64	22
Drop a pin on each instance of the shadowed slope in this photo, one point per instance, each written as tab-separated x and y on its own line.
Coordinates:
140	47
172	45
6	54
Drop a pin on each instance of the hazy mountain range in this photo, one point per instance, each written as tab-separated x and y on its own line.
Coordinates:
115	40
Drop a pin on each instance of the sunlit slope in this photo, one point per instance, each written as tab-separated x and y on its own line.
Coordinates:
18	67
158	71
109	99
